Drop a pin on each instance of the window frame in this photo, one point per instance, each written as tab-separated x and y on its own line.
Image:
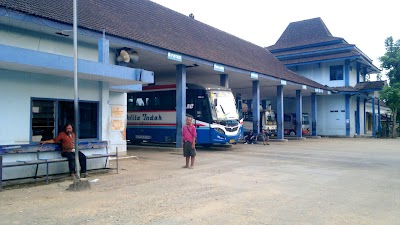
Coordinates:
58	129
335	68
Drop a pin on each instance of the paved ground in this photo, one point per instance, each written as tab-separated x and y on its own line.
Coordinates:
325	181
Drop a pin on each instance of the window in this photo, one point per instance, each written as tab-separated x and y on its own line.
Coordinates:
50	116
162	100
336	72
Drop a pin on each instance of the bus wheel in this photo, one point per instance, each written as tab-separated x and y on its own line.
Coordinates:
292	133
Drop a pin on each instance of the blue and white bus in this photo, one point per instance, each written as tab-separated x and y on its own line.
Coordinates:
152	114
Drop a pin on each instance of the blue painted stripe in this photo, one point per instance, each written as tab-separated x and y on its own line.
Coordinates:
314	53
308	46
321	61
47	63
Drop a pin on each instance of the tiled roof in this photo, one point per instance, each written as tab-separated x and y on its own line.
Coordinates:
310	40
313	58
150	23
313	49
361	87
373	85
303	33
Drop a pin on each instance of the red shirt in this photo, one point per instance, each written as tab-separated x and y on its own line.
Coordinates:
188	136
67	142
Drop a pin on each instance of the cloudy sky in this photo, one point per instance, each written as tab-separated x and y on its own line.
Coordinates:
263	21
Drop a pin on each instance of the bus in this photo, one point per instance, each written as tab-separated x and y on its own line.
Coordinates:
290	124
151	114
267	121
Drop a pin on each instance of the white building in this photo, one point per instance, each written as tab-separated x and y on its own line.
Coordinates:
309	49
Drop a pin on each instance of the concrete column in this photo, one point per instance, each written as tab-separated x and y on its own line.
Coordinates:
264	104
180	102
256	107
379	116
373	118
358	72
104	110
358	117
314	114
299	113
347	97
279	111
103	50
365	117
224	80
347	72
239	103
249	102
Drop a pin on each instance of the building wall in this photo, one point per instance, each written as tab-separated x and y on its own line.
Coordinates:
353	74
320	73
46	43
16	90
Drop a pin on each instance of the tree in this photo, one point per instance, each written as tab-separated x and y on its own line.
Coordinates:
391	96
390	61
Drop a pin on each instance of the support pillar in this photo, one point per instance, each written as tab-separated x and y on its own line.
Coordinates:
314	114
358	117
299	113
224	80
279	111
347	73
347	96
365	117
239	104
256	107
180	102
249	106
103	49
379	116
264	104
373	118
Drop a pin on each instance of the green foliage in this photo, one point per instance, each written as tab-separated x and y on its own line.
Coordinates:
391	60
391	96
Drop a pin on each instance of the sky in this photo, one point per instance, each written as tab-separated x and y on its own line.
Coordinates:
364	23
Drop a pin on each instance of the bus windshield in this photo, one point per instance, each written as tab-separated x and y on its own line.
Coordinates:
224	105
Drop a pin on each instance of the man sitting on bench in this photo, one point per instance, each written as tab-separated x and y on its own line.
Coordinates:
67	138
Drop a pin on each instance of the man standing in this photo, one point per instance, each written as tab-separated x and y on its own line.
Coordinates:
189	136
67	138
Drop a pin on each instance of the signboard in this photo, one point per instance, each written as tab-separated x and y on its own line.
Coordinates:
117	125
283	82
304	87
254	76
219	68
117	111
174	56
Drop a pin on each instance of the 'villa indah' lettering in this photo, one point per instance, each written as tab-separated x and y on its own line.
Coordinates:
151	117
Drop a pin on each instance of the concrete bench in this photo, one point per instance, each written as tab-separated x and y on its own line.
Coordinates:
37	158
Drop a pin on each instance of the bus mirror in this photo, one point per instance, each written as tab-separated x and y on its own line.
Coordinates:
215	102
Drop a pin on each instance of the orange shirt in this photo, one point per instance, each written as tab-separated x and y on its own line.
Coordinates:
67	142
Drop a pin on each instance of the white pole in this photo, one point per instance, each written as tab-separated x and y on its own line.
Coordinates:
76	104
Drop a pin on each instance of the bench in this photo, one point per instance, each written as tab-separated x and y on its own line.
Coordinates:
36	151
